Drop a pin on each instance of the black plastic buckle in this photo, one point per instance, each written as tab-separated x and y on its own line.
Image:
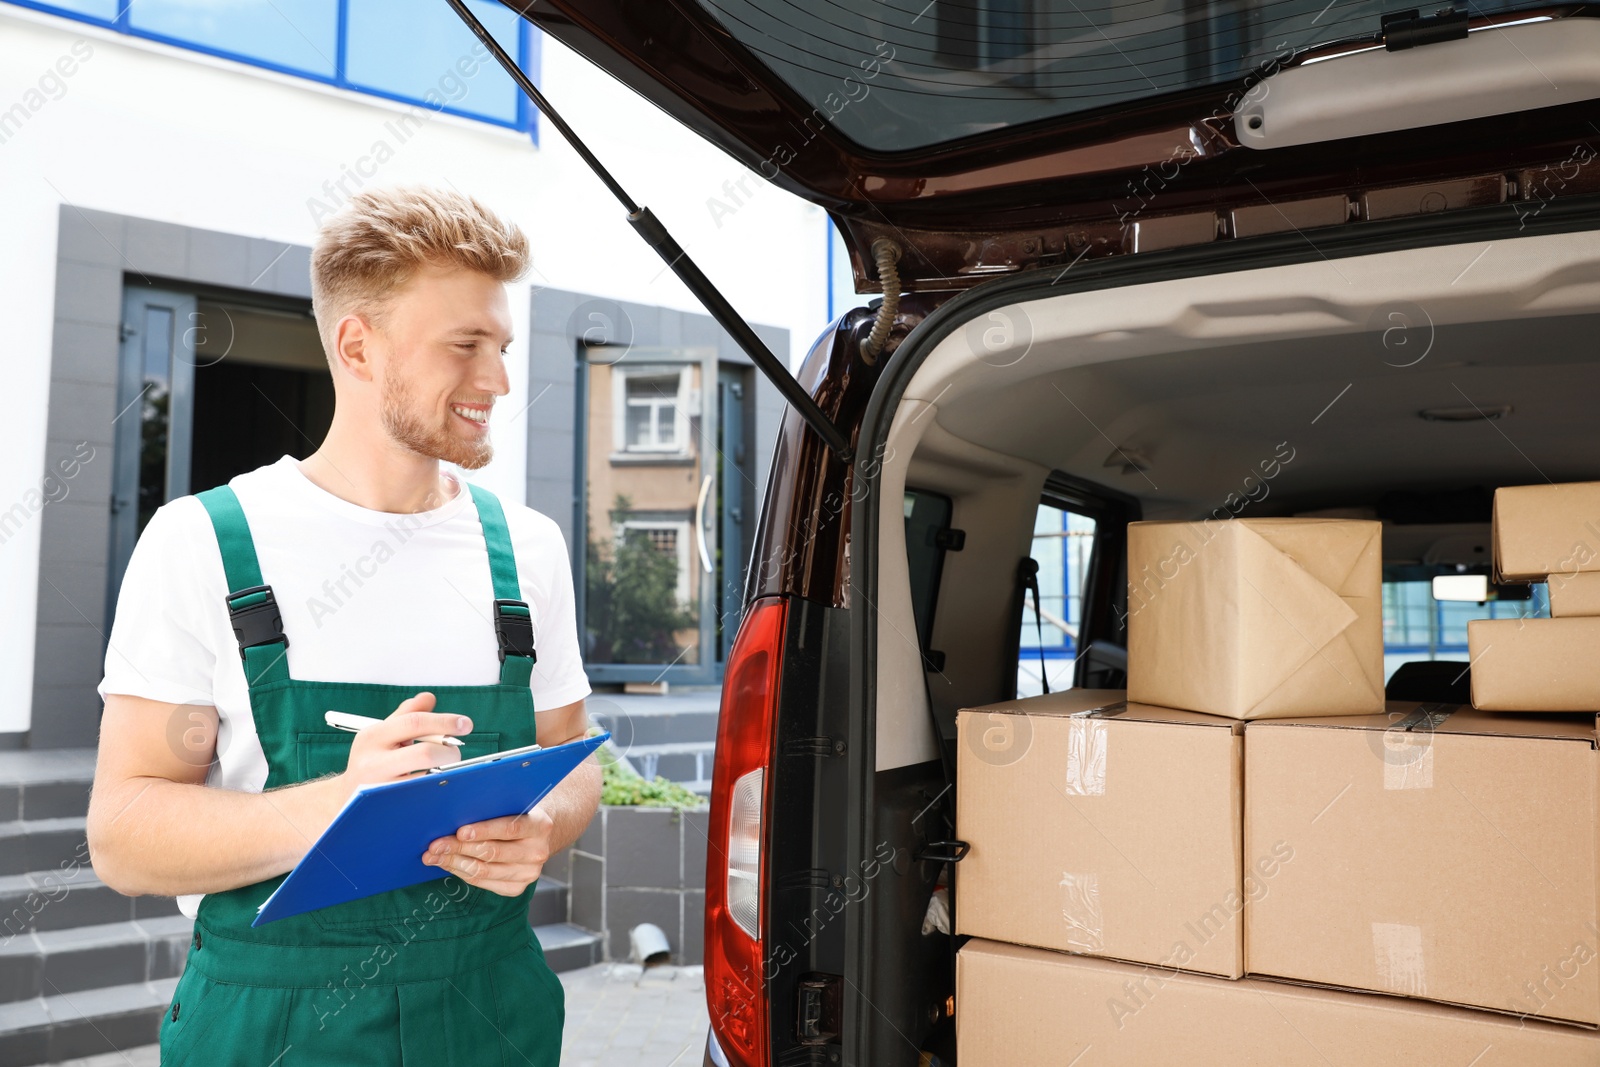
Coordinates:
514	633
256	624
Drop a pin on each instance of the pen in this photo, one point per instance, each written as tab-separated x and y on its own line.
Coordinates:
341	720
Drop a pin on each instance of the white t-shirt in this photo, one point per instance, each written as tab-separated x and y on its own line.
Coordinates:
366	596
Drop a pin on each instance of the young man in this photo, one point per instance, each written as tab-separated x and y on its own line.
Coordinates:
405	594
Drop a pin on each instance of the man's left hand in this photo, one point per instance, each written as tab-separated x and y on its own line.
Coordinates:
502	855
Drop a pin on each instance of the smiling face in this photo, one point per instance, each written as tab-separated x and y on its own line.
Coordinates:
440	362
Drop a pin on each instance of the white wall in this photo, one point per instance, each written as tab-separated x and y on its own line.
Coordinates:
163	133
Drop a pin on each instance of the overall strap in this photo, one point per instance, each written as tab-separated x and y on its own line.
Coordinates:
513	624
252	609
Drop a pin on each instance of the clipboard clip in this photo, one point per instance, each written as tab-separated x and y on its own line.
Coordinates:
492	757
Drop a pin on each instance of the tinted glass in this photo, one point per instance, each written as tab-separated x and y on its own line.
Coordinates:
421	49
156	374
1418	627
902	74
644	475
298	34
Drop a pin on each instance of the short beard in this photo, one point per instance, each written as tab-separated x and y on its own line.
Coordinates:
406	429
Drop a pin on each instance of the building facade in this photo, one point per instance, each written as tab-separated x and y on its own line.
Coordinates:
166	165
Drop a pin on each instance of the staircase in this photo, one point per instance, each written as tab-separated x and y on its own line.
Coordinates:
85	970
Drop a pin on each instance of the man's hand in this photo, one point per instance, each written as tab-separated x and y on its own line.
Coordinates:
506	855
392	751
503	855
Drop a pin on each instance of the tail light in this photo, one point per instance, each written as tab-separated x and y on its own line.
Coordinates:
736	986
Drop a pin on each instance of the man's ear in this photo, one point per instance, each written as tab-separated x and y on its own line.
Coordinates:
352	337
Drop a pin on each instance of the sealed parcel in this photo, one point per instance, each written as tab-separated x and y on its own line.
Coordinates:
1256	618
1439	852
1105	828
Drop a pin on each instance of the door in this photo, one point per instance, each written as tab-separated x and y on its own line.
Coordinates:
642	427
665	491
152	431
735	500
207	388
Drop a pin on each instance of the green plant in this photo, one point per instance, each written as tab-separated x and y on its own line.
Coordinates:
623	787
631	588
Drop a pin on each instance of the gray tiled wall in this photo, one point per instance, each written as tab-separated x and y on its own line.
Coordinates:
97	251
635	865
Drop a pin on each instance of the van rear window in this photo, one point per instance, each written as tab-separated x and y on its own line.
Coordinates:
902	74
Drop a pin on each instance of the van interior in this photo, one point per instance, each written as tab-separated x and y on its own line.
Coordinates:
1403	386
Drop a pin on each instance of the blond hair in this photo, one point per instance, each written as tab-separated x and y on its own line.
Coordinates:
381	237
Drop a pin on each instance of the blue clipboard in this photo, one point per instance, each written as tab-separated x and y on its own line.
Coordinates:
376	842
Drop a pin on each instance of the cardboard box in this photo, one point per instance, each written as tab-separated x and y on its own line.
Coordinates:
1438	852
1111	832
1575	595
1535	664
1540	530
1256	618
1025	1007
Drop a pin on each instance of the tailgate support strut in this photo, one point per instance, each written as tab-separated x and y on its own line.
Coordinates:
656	236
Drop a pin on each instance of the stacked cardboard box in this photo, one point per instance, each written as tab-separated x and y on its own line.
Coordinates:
1439	852
1256	618
1025	1007
1250	858
1543	533
1103	827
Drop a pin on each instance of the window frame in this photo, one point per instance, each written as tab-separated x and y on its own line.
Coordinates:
620	376
1103	611
1070	646
527	53
680	527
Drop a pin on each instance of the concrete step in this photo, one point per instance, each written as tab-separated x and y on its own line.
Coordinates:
67	897
676	762
43	963
549	904
566	947
43	800
45	783
86	1023
42	844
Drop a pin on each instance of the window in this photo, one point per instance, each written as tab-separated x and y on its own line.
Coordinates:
670	538
653	408
1418	627
1063	545
409	49
301	36
413	51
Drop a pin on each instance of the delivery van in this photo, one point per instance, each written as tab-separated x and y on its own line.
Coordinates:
1137	260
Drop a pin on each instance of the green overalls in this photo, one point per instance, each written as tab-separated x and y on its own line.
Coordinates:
439	974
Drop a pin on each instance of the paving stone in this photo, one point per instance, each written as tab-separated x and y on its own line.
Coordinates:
617	1016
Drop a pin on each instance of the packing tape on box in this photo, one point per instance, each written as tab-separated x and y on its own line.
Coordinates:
1408	747
1407	761
1086	750
1086	758
1397	953
1080	911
